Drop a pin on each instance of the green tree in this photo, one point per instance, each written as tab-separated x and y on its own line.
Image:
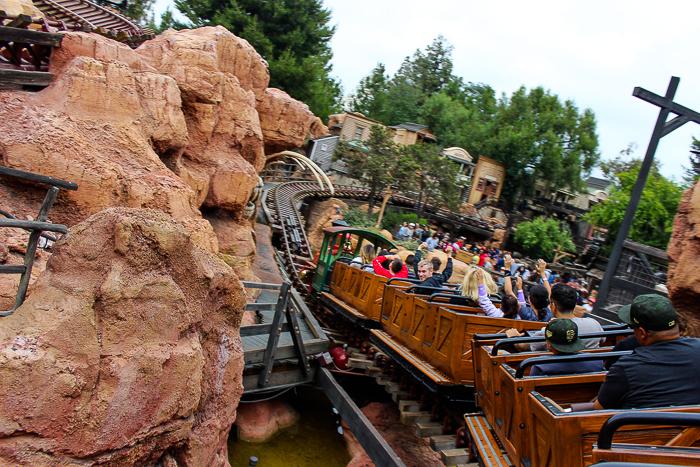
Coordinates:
371	96
691	174
653	222
539	238
378	163
433	176
536	130
292	35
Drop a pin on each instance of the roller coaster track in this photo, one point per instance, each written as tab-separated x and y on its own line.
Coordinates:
280	203
91	17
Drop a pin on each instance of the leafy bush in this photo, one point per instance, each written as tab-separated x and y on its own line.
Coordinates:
393	218
539	238
358	219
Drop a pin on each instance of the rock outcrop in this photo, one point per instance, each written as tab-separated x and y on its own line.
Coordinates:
181	125
127	349
321	215
684	255
259	421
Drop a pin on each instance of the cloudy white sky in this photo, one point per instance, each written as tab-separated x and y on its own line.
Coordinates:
593	52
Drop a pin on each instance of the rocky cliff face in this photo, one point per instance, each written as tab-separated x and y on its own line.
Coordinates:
181	125
684	255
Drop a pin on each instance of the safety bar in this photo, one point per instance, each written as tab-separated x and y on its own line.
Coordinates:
579	357
648	418
526	340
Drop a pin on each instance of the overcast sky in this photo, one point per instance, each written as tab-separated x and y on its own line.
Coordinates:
592	52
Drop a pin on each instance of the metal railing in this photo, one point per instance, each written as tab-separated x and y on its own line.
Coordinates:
36	227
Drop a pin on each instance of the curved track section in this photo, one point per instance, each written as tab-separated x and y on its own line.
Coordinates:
83	15
280	207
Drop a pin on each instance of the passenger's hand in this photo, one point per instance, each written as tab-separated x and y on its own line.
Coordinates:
423	245
513	333
480	276
508	262
541	266
519	283
448	250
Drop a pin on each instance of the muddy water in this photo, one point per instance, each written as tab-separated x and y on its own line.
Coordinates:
313	441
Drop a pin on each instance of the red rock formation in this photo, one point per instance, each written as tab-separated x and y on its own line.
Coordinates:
413	451
684	255
128	347
285	124
174	125
260	421
321	215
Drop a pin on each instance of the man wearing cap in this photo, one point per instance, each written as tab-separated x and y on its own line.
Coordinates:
663	371
562	338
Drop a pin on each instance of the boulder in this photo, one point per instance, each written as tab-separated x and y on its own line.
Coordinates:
321	216
20	7
260	421
684	257
286	122
126	353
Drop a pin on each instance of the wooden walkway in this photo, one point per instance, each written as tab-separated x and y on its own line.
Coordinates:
277	353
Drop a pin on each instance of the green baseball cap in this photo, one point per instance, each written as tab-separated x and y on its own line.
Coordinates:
562	335
651	312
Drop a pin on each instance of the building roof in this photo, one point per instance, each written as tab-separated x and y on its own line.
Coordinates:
599	183
410	127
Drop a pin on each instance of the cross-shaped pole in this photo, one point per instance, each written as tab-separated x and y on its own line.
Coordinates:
662	128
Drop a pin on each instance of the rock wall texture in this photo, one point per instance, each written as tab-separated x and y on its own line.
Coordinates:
126	353
684	255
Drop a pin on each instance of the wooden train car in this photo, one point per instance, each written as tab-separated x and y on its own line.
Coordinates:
459	354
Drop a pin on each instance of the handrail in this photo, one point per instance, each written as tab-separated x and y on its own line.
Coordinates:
579	357
619	420
526	340
410	281
43	179
418	286
452	296
502	335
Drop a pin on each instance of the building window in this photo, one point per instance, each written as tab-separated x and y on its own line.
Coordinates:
324	147
358	132
480	186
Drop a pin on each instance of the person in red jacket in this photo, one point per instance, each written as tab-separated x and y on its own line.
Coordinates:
396	268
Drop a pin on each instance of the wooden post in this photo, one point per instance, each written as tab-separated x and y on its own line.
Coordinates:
381	211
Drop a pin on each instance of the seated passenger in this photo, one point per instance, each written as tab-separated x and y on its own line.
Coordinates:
563	305
509	306
410	261
396	267
367	255
447	273
663	371
562	339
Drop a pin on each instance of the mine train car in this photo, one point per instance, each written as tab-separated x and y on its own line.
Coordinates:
446	343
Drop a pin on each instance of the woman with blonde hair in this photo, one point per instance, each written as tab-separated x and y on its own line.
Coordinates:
367	255
470	284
